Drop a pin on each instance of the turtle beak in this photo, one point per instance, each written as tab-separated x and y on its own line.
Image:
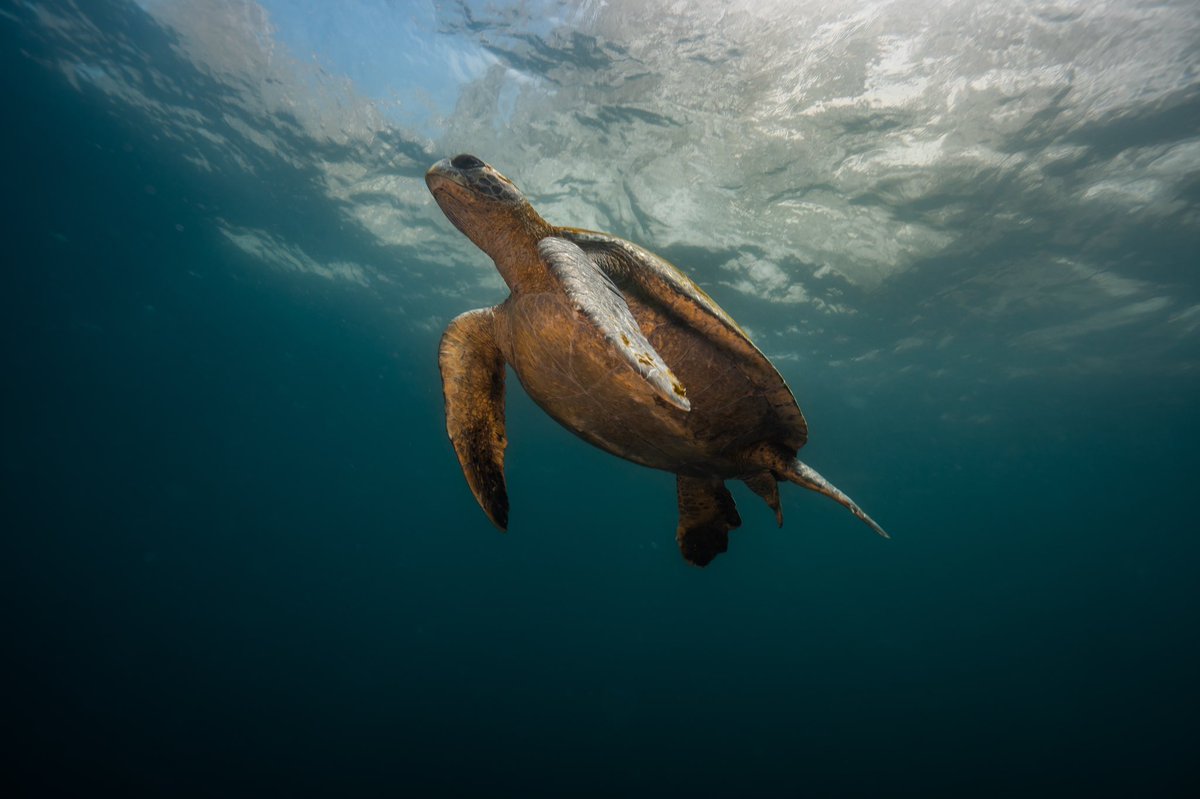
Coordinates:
450	191
440	173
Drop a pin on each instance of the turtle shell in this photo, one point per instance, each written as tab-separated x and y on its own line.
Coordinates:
654	280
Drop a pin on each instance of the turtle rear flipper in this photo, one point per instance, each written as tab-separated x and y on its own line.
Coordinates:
473	384
800	473
706	515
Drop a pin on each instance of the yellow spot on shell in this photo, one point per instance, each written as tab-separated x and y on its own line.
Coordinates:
625	339
680	390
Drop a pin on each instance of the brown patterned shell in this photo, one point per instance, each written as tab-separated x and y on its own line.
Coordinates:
635	269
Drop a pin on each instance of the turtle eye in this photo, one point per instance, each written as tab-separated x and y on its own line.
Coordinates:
465	161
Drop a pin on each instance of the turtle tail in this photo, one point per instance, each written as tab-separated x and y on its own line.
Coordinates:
796	471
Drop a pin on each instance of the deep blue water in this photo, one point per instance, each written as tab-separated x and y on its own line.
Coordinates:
240	558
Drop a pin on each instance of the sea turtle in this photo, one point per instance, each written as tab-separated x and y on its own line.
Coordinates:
622	349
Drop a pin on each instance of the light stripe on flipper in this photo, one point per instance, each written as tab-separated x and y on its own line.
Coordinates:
638	271
601	302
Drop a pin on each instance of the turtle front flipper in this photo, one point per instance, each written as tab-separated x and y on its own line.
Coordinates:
473	384
706	515
594	294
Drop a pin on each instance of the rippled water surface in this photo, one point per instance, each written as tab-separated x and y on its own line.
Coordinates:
241	559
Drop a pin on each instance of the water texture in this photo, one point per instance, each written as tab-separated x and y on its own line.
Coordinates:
240	558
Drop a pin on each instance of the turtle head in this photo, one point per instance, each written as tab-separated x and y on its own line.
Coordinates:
485	206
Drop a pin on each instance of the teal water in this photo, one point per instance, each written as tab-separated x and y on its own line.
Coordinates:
240	557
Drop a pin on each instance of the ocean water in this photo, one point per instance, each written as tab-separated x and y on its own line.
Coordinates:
241	559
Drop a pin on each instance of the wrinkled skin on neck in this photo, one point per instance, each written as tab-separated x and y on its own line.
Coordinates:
489	210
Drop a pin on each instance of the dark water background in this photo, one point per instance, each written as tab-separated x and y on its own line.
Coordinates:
240	559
